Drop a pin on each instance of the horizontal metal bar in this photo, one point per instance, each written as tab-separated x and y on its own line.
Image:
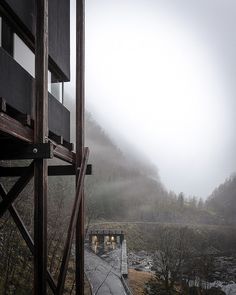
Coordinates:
26	151
58	170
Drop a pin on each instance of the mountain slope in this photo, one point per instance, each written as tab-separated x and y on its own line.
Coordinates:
119	186
128	188
223	201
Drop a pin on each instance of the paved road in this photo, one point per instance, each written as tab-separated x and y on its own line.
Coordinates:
102	276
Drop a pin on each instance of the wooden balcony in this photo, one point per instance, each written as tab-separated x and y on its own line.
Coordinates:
17	88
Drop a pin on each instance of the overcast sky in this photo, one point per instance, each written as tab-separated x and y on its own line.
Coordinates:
160	77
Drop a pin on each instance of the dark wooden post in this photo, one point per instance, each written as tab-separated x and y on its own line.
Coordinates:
80	140
40	136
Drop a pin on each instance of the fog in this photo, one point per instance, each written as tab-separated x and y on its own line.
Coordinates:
160	79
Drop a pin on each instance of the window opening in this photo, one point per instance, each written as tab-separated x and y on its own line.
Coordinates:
57	88
24	56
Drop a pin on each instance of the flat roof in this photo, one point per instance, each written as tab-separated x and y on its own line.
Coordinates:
106	232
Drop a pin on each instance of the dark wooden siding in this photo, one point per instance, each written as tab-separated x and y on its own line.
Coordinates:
17	88
58	118
59	33
59	30
25	10
16	85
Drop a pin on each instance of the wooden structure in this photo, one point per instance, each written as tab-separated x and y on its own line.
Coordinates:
105	238
35	125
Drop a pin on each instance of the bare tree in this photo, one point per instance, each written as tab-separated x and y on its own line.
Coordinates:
173	251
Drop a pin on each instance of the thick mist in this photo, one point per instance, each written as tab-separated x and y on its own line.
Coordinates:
160	81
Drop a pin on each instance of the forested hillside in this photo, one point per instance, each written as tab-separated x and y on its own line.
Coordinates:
223	201
124	187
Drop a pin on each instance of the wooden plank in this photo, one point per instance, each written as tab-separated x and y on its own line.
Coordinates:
19	151
64	154
80	69
72	225
14	128
17	189
25	234
40	136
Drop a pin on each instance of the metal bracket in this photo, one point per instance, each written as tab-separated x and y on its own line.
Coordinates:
18	151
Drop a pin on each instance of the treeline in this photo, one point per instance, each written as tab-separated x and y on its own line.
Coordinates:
185	262
223	201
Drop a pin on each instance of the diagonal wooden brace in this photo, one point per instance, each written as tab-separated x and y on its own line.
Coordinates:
17	189
25	234
73	220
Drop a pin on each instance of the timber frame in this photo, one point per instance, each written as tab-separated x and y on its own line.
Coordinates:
21	137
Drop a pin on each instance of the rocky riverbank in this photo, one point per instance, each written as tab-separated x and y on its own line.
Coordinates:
223	274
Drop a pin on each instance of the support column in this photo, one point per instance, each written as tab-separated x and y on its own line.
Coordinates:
80	141
40	136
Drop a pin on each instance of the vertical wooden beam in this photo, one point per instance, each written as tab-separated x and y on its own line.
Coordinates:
40	135
72	224
80	141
